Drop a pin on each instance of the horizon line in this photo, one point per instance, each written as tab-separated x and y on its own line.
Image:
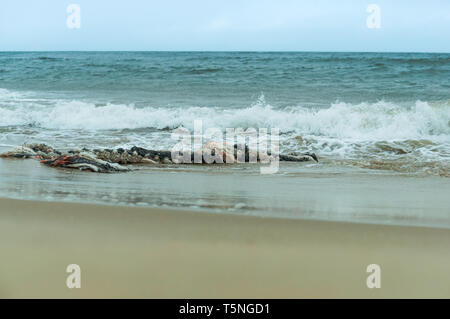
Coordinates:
230	51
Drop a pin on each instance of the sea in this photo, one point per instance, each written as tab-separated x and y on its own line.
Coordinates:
381	111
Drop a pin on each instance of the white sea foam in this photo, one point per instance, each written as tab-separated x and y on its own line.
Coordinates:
366	121
342	130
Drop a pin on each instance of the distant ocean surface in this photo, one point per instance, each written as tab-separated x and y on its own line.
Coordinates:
380	111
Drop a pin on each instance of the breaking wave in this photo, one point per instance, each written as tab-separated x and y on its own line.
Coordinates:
365	121
365	135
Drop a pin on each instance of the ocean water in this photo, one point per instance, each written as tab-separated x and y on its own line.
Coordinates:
369	111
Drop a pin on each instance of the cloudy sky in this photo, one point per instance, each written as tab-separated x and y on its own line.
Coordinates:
272	25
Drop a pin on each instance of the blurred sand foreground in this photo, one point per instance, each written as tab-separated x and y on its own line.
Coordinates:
127	252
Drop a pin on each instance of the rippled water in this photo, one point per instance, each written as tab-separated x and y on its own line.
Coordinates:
369	110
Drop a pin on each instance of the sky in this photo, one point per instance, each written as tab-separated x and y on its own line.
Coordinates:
231	25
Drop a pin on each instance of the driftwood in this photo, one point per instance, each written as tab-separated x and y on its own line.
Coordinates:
84	162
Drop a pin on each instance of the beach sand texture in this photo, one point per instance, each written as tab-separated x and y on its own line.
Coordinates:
131	252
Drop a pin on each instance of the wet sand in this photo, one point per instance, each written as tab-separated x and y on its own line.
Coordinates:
297	191
134	252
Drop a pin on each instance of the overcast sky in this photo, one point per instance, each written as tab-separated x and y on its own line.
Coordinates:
275	25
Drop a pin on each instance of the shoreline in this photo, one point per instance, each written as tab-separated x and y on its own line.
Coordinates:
209	212
305	192
137	252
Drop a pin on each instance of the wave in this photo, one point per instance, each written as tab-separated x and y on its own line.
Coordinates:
46	58
359	122
382	135
203	70
422	59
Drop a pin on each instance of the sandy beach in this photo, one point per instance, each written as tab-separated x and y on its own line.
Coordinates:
132	252
224	150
